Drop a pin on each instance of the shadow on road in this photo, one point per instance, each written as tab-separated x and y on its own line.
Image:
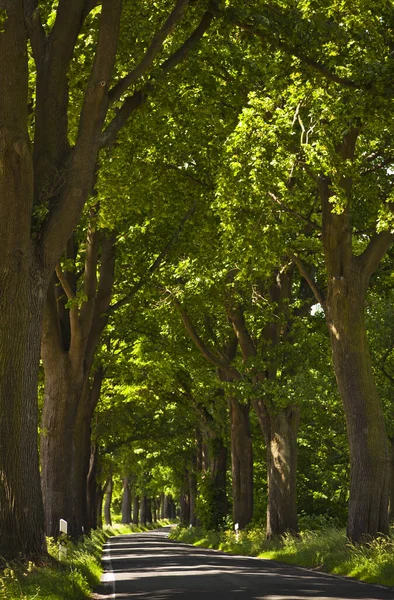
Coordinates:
150	567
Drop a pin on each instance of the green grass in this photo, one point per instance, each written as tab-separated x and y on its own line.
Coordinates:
71	578
327	550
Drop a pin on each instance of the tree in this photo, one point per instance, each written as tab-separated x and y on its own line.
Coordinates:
43	192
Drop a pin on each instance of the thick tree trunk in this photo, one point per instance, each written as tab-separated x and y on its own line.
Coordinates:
126	502
108	501
280	433
155	507
22	293
391	506
217	462
149	510
21	509
93	488
241	462
166	507
63	389
368	443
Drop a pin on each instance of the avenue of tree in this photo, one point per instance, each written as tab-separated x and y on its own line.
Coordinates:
196	275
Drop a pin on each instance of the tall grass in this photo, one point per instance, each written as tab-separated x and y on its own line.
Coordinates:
326	549
72	575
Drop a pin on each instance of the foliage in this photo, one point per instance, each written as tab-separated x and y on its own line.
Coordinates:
326	549
70	576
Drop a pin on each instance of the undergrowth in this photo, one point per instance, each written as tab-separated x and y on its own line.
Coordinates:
73	574
326	549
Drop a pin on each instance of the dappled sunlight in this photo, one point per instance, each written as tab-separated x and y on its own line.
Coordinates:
166	570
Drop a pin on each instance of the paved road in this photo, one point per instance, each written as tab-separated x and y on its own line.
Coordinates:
148	566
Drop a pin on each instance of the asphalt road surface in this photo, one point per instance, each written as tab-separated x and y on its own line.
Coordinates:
148	566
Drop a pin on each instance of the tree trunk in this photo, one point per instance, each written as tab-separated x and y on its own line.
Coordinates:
21	509
241	462
126	502
100	500
63	389
155	506
217	461
368	443
136	509
93	488
193	497
166	507
391	510
143	510
280	433
108	500
149	510
22	294
184	501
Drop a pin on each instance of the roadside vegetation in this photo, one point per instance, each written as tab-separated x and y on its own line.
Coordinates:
69	576
325	549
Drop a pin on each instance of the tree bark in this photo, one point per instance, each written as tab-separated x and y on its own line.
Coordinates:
22	291
69	340
136	509
93	488
143	510
391	503
347	283
368	443
108	501
280	433
241	462
155	509
63	388
126	502
193	497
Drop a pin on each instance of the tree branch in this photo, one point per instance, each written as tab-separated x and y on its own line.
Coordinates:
90	278
35	30
220	363
81	166
132	103
246	343
374	252
156	263
153	50
293	51
294	213
64	282
309	279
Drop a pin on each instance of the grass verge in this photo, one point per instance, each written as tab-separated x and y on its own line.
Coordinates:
327	550
72	577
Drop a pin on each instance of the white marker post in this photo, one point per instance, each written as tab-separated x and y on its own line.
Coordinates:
236	527
62	547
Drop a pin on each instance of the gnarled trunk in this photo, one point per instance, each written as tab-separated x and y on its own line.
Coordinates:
241	462
368	442
280	433
63	389
21	509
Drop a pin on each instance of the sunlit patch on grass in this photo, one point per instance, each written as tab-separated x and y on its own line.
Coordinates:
326	549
